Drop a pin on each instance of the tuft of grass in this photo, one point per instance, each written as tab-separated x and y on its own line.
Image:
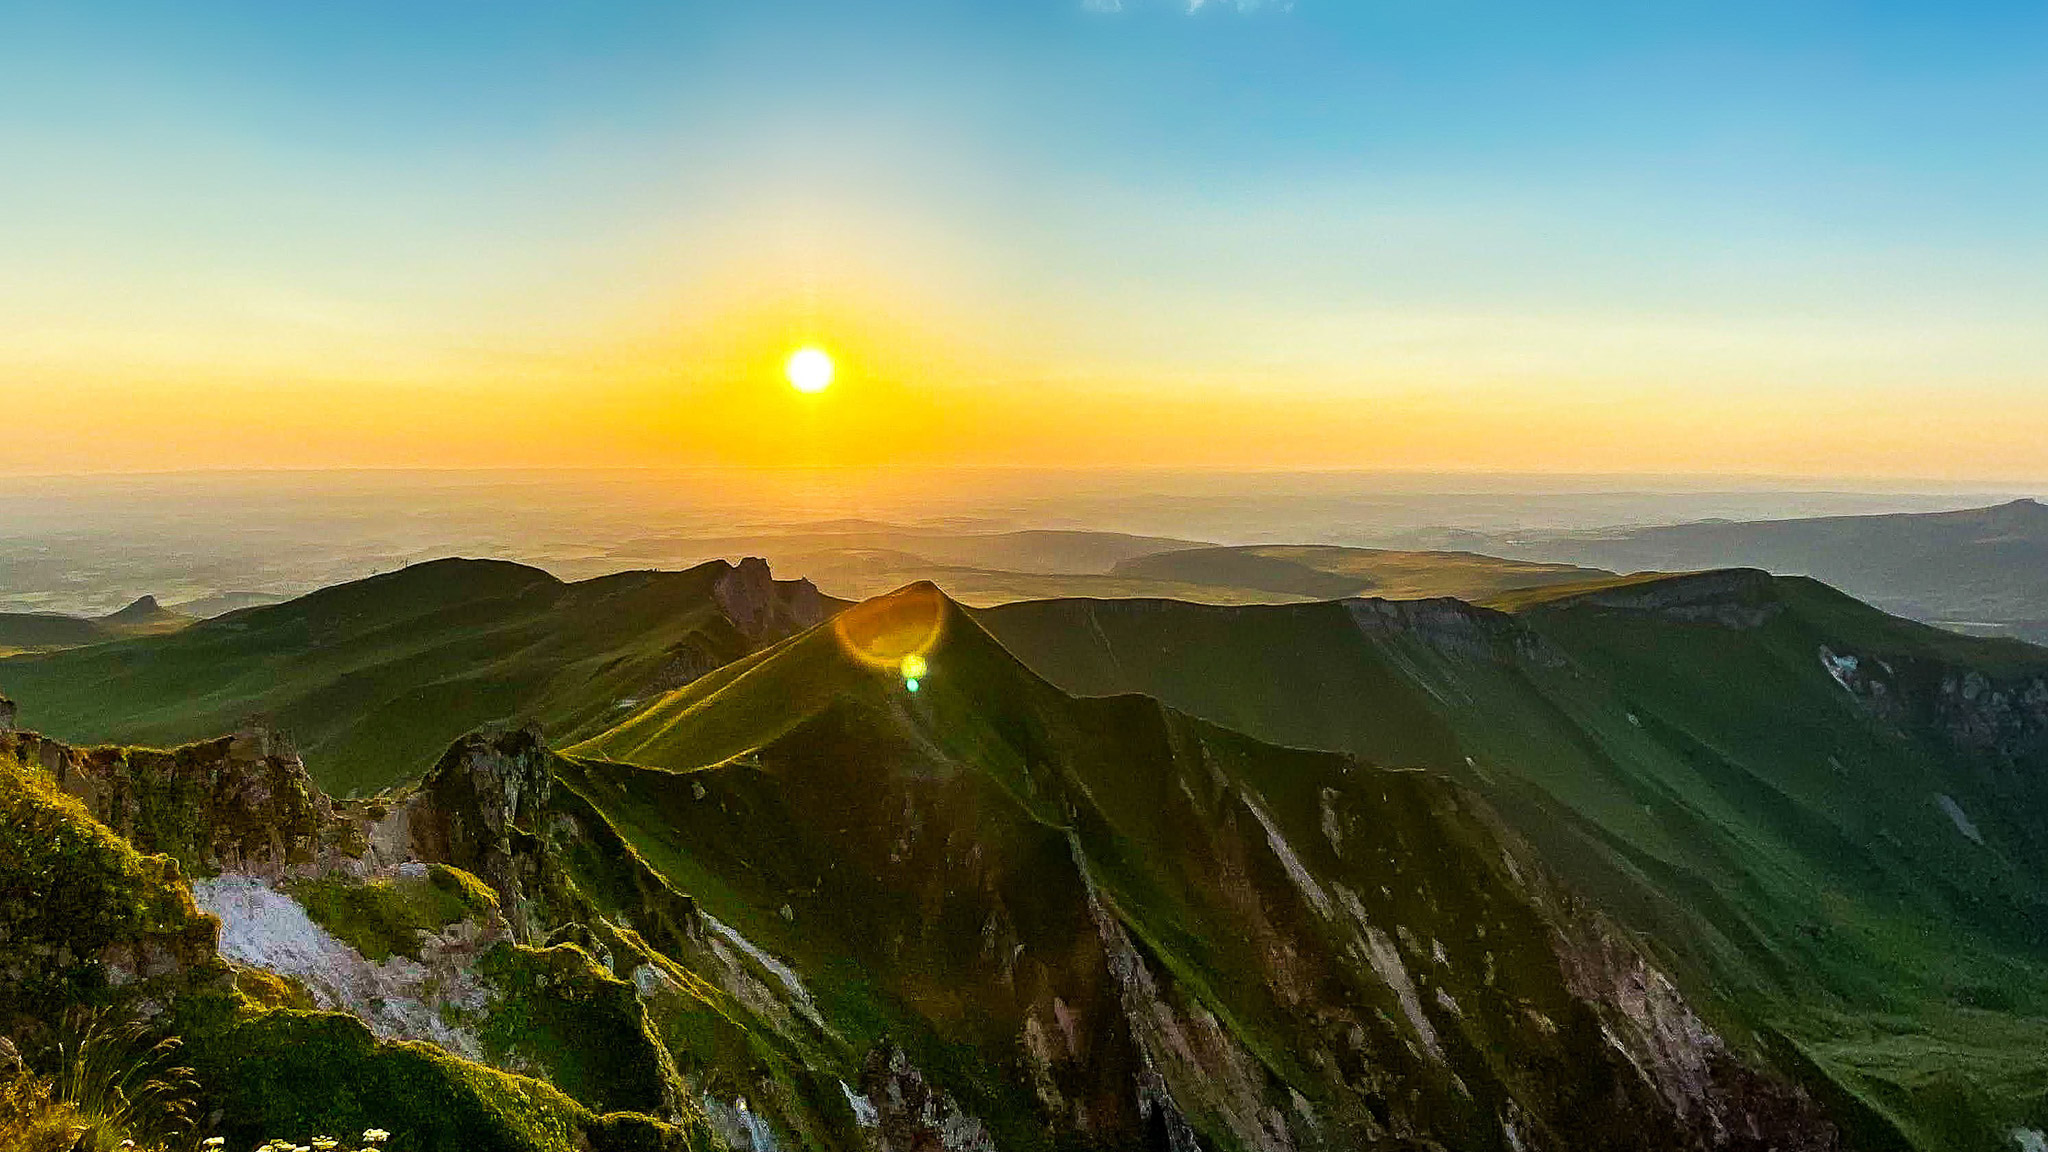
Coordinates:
32	1118
120	1083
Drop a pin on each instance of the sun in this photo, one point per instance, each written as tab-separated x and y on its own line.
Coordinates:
809	370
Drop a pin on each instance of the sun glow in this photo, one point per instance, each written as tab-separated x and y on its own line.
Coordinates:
809	370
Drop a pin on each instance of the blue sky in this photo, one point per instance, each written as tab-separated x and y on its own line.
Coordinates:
1386	201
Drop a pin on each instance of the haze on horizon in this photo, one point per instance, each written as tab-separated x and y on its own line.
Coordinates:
1705	238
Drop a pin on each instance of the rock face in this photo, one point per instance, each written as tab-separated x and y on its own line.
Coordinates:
242	804
1739	598
472	811
762	606
1453	628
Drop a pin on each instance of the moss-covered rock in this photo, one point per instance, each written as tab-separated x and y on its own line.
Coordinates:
241	803
386	916
298	1074
566	1018
87	918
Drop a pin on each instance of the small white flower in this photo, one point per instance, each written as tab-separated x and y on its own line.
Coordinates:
375	1135
325	1143
213	1142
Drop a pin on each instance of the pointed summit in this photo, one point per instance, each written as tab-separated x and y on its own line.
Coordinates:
144	617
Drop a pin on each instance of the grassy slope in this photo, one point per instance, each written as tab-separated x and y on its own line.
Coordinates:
1327	572
376	677
1712	784
788	781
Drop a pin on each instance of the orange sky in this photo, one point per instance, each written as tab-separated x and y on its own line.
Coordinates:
1286	236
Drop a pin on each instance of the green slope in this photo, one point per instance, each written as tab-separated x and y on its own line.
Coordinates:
1100	922
1851	856
374	678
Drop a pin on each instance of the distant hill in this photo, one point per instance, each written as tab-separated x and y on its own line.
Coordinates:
1979	570
857	560
48	630
1326	572
374	678
222	603
998	568
1040	551
1833	817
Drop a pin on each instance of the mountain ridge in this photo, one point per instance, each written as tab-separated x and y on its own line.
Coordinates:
377	676
1700	754
1982	570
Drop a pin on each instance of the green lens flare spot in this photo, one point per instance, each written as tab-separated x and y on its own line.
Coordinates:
911	684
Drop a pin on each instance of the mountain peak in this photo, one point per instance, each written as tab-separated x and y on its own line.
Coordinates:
143	617
866	655
142	607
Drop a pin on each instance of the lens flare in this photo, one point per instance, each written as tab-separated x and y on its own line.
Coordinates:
896	633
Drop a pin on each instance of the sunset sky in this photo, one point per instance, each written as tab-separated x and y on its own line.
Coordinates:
1749	237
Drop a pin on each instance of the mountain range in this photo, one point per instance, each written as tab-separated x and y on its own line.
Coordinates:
1717	860
1976	570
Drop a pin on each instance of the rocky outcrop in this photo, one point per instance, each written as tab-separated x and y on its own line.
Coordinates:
86	918
1453	628
240	804
1723	1101
910	1114
475	811
1743	599
763	607
1999	718
2005	717
431	997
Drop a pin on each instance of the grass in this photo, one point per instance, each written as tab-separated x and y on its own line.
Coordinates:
1675	747
375	678
889	846
270	1072
564	1016
384	918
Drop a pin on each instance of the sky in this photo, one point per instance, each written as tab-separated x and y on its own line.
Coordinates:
1655	237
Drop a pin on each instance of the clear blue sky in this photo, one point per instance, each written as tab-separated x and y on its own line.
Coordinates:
1396	202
